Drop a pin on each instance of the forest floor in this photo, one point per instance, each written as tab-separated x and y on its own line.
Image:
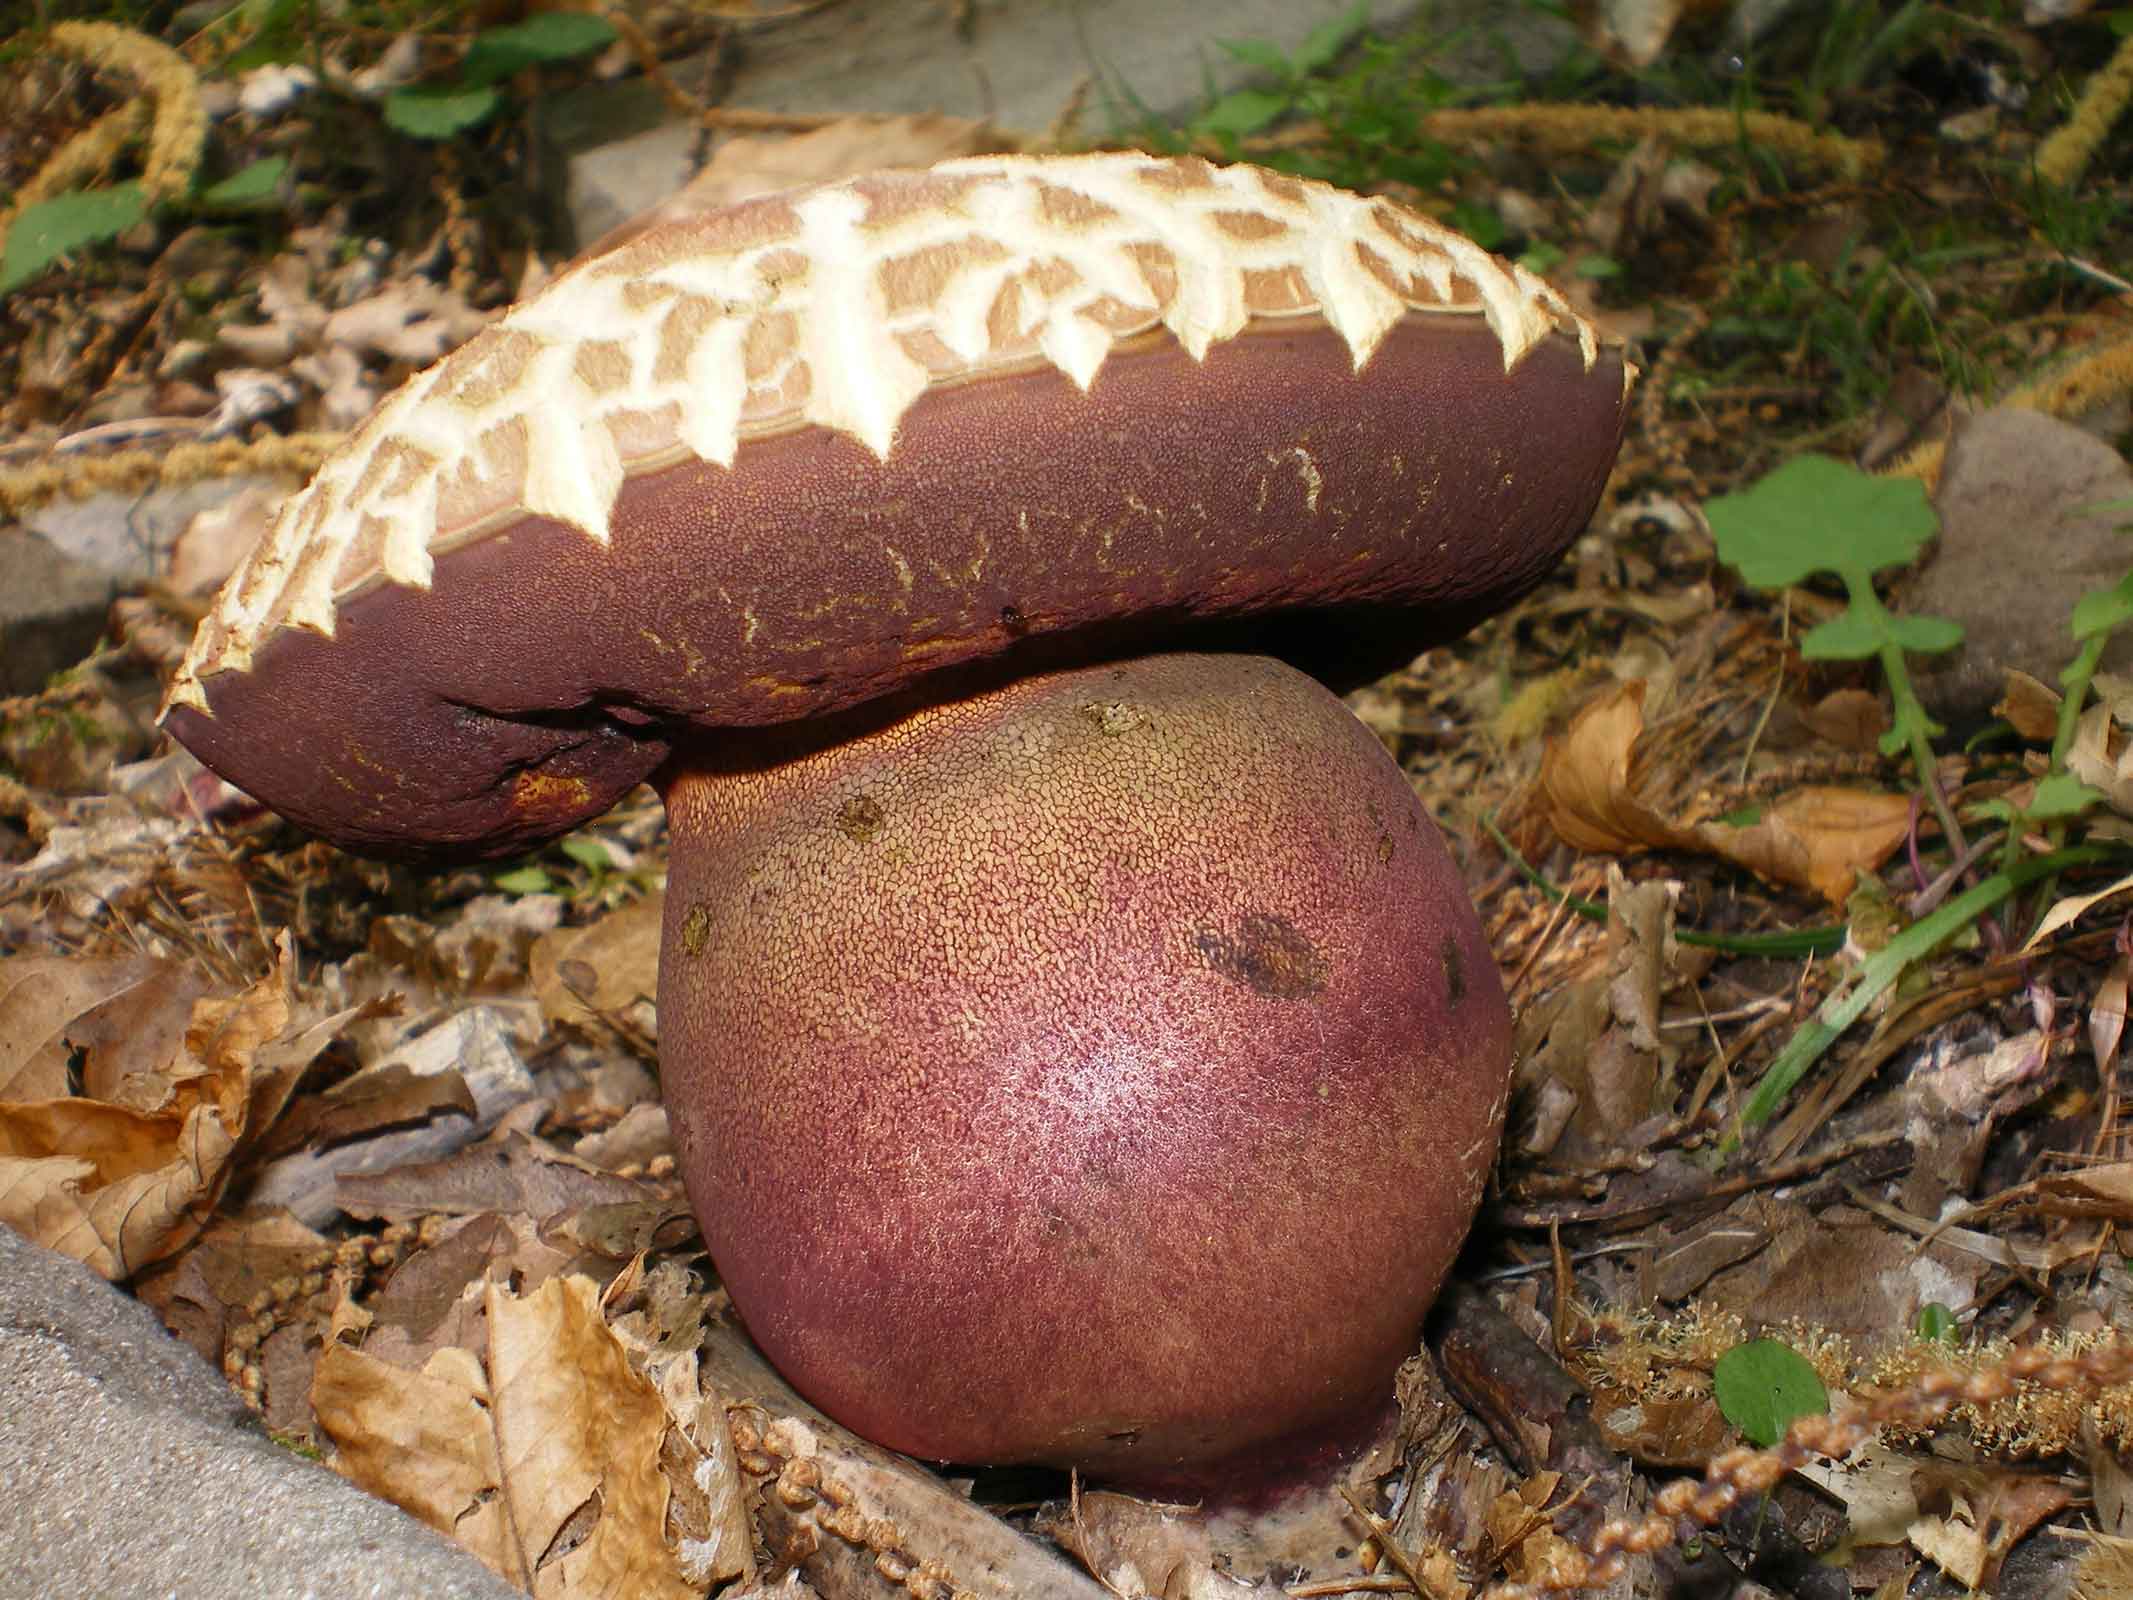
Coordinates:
1816	941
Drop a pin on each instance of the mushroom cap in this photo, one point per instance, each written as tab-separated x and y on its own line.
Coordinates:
781	460
1099	1070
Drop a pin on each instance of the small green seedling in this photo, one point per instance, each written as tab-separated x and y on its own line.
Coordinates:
1936	1323
1361	95
596	878
438	111
1249	111
83	217
1763	1386
2098	614
1815	514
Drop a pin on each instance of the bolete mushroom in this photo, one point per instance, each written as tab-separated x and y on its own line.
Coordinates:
1079	1044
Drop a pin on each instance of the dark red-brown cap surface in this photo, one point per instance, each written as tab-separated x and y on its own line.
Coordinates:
786	459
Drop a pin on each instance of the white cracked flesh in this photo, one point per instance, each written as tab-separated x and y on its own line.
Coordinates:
837	307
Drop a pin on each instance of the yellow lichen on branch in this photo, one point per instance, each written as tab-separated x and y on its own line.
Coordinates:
168	80
2077	388
130	471
168	108
2063	157
83	159
1574	128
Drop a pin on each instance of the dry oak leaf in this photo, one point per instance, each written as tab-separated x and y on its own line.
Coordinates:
53	1006
1816	837
118	1186
541	1455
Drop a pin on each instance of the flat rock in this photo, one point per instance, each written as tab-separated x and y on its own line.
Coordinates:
133	1470
1016	64
2020	541
64	563
51	610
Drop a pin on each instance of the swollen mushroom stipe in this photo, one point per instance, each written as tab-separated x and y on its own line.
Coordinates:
1078	1041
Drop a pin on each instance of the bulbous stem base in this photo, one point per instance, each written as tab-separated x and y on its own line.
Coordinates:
1099	1071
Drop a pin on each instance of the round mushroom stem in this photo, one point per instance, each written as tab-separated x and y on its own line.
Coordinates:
1101	1070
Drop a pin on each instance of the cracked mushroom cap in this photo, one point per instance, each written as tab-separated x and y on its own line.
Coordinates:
1003	415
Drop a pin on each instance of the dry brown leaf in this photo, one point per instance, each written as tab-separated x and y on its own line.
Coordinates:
574	1421
1817	837
392	1096
1850	719
120	1186
1521	1532
610	966
2030	705
2107	1016
2064	912
2104	1191
421	1440
2106	1572
1987	1517
513	1174
1662	1430
1585	779
541	1456
126	1014
641	1137
201	1291
1874	1484
438	1295
2110	1483
2092	757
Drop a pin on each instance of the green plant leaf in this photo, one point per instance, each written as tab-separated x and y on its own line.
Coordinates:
497	53
1763	1386
1854	636
439	113
1846	1005
590	854
65	223
247	187
1817	514
1242	113
1479	223
1324	43
524	880
1257	53
2102	610
1861	632
1936	1322
1925	636
2063	795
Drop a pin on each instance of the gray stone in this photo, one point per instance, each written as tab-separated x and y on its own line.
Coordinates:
1018	64
63	565
2020	542
132	1470
51	610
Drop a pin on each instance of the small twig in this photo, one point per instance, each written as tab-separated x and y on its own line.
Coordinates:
1381	1530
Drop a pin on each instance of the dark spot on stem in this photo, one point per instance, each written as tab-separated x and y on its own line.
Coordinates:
1454	971
859	818
696	930
1113	717
1268	955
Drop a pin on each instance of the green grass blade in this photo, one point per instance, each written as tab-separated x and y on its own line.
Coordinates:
1887	964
